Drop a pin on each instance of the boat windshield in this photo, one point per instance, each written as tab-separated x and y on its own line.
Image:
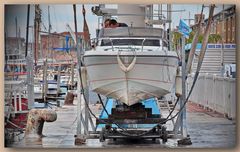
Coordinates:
137	42
130	32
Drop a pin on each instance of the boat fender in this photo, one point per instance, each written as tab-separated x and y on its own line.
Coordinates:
69	99
178	82
84	76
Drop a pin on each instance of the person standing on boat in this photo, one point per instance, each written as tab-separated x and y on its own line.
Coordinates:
113	24
106	23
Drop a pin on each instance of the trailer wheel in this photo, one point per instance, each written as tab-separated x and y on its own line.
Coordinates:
164	134
154	139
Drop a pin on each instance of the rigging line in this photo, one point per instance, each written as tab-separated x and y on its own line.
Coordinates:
43	25
55	17
43	18
180	110
27	30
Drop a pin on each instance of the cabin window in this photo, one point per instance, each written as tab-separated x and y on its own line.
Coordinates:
151	42
137	42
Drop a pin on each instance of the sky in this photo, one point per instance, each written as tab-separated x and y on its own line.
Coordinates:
60	15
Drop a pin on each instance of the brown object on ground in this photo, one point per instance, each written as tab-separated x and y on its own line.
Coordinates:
36	119
185	141
69	99
80	141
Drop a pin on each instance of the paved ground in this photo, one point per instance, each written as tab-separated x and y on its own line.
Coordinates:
206	129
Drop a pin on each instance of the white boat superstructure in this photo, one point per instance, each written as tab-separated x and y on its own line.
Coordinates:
131	64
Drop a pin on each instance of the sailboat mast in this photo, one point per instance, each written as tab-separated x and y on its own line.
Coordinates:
37	21
5	47
17	34
49	31
27	29
169	17
45	66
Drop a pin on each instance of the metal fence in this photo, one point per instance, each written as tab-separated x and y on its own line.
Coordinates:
15	97
215	92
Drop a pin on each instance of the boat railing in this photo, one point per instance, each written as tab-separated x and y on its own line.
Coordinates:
16	61
15	97
143	43
111	44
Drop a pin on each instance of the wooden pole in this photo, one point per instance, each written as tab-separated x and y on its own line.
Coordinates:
58	79
72	76
205	38
45	83
30	81
194	43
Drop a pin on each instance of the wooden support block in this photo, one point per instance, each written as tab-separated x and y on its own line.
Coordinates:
69	99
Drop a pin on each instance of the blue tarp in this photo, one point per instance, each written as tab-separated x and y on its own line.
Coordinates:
149	103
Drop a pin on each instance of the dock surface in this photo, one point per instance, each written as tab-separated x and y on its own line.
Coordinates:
206	129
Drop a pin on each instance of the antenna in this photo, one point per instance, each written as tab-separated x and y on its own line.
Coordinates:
49	30
189	19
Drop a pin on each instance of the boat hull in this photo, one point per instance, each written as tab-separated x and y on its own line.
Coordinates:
152	75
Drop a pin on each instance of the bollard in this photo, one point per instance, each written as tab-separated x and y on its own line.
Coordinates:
80	139
36	119
69	99
185	141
